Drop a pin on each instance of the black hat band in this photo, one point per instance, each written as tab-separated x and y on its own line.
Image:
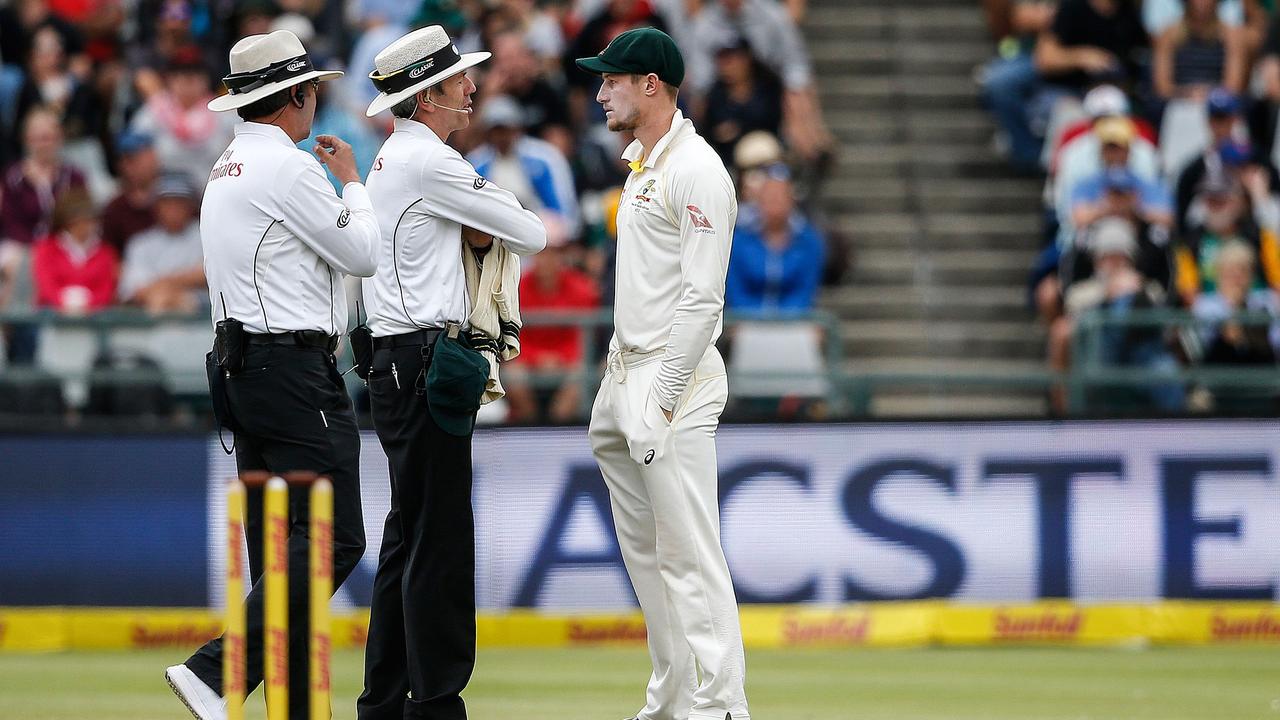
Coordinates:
244	82
411	74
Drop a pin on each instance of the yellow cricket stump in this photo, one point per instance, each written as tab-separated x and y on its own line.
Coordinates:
276	640
233	642
321	574
276	590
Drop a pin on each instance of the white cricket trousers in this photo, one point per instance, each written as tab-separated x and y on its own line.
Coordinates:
668	523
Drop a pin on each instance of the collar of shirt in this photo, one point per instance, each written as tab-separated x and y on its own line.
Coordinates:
413	127
634	154
271	132
78	253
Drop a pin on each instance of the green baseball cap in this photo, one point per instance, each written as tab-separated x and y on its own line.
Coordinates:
455	384
639	52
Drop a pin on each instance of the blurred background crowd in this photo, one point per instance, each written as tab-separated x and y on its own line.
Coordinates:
1153	124
106	145
1136	186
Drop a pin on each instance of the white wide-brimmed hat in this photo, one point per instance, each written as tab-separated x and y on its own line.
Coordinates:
264	64
415	62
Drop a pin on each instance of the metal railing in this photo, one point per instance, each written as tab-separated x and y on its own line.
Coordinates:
1092	377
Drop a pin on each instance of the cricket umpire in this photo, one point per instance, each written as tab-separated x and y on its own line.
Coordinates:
425	382
277	242
654	421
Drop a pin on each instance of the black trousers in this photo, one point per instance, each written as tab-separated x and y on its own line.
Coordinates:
293	413
422	622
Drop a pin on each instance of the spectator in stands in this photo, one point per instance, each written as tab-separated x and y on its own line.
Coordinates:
1080	154
777	259
1116	189
50	83
1223	206
1223	339
164	267
32	185
133	209
1197	53
1090	41
552	284
743	99
539	32
1010	82
1246	17
189	136
74	270
514	71
1101	102
776	41
1268	76
532	169
1119	193
1116	288
164	29
20	22
1227	147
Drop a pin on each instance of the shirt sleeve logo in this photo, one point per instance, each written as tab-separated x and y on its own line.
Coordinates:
344	218
479	183
700	221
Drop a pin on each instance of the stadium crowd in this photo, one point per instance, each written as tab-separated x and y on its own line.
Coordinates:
1153	123
106	144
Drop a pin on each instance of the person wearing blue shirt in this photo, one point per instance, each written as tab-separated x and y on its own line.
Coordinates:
778	254
532	169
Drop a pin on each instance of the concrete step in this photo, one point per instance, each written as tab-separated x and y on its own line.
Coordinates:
893	240
916	403
857	23
841	92
946	223
928	302
889	195
944	367
934	160
943	56
943	339
960	268
971	128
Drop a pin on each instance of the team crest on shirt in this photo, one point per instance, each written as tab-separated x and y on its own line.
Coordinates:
344	218
644	199
643	195
699	218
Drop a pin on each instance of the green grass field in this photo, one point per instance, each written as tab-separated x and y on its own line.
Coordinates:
607	684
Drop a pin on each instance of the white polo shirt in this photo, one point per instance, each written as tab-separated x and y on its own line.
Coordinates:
675	230
277	239
424	192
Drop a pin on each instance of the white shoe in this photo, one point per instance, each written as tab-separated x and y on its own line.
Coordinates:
200	699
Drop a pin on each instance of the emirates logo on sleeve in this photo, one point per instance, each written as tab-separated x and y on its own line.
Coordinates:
699	218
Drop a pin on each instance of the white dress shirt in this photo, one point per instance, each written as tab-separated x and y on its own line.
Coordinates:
277	239
424	192
675	230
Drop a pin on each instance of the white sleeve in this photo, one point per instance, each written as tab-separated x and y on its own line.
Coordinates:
341	230
792	56
452	189
706	209
133	276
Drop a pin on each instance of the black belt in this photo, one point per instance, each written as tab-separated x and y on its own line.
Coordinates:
416	338
297	338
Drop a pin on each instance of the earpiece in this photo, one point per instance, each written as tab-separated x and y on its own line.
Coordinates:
299	95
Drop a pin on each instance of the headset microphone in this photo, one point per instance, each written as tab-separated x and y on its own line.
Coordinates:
464	111
427	96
